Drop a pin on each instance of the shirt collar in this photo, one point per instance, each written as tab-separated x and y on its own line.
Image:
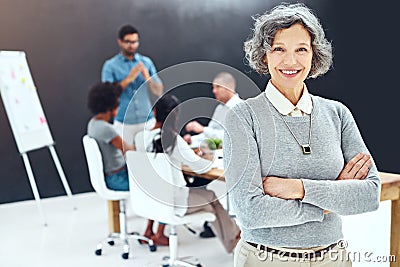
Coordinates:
233	101
135	57
283	105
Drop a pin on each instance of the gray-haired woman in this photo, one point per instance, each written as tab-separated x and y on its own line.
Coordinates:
294	162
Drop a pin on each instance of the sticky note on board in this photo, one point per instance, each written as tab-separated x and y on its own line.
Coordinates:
42	120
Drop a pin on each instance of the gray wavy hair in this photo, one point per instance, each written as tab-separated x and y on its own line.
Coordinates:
282	17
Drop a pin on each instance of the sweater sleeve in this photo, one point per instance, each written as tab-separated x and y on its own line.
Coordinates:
346	197
242	166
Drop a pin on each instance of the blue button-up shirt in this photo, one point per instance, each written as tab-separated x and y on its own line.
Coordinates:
135	106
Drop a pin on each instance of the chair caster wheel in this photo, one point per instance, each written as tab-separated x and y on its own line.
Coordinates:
165	265
198	265
111	243
98	252
153	248
125	256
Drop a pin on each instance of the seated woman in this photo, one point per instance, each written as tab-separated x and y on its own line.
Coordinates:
103	101
164	138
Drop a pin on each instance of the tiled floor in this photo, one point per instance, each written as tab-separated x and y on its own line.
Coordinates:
71	236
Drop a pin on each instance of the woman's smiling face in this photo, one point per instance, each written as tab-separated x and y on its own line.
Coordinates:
289	61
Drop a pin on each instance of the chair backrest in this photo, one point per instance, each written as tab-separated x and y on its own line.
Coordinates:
152	188
96	172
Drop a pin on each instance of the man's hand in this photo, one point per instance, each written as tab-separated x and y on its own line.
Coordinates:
194	126
357	168
145	72
155	87
132	75
284	188
187	138
135	72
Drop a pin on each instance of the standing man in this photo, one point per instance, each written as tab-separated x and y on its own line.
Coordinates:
224	90
132	70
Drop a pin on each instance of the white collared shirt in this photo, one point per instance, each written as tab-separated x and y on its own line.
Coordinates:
215	128
284	106
235	99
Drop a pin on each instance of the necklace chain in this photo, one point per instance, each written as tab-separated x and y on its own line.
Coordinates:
307	147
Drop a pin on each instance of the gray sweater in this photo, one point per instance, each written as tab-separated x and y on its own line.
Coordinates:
258	143
104	132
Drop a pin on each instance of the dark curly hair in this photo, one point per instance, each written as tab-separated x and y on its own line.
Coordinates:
103	97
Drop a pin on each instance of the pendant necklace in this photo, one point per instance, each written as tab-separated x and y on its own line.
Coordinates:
306	147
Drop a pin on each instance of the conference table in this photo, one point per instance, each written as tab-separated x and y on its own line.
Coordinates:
390	190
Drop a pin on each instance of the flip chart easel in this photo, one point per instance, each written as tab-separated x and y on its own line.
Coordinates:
26	116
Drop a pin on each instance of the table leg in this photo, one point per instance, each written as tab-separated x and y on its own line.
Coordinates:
113	216
395	233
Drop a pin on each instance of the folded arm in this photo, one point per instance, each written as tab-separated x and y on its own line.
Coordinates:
242	168
356	189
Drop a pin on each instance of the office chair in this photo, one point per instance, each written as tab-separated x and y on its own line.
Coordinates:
97	179
152	178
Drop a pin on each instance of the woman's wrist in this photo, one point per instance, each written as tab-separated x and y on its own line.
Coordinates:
298	192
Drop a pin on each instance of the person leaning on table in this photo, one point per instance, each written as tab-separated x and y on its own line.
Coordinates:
292	179
224	90
164	138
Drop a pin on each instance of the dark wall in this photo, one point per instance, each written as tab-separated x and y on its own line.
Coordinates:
66	43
